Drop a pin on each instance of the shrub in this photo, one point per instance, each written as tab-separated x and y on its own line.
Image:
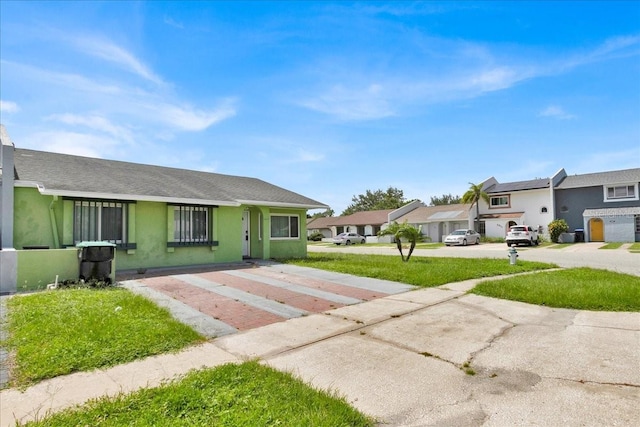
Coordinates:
315	237
556	228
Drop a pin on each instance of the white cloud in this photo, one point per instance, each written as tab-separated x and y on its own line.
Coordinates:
191	119
556	112
118	55
94	122
173	23
75	143
9	107
351	103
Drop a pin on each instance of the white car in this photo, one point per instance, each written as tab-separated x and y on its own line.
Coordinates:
348	238
462	237
522	234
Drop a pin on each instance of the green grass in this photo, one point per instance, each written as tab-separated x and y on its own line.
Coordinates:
614	245
635	248
59	332
419	271
577	288
230	395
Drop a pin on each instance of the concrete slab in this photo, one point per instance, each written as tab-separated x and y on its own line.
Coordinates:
521	313
578	353
280	337
53	395
451	331
607	319
376	310
394	385
559	403
430	296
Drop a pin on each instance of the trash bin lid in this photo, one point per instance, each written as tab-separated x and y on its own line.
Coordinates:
578	230
94	244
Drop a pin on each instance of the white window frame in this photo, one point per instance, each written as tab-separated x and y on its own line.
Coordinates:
289	228
501	196
612	188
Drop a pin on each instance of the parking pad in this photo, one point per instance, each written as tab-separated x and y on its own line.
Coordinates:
218	303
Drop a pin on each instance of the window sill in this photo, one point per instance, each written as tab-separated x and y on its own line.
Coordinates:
190	244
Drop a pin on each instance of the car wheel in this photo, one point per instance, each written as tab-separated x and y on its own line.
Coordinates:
537	242
363	241
348	242
464	242
477	241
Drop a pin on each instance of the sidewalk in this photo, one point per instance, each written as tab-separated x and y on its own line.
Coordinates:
402	359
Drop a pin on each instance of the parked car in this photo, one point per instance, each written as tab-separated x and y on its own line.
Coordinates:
462	237
524	234
349	238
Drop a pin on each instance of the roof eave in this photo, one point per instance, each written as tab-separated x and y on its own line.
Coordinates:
283	204
116	196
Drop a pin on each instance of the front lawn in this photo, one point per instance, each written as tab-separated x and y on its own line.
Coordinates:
578	288
59	332
248	394
419	271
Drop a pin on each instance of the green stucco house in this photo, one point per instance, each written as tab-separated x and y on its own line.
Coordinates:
156	216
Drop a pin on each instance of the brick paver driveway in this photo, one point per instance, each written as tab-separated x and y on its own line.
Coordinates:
248	296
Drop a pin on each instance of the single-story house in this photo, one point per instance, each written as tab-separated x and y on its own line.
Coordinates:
435	222
365	223
605	206
155	216
321	225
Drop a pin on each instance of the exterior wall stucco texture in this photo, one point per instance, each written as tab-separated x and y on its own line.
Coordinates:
37	220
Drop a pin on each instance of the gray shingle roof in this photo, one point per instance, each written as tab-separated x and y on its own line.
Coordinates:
438	213
506	187
68	175
600	178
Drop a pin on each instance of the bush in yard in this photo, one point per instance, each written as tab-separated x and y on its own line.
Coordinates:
556	228
315	237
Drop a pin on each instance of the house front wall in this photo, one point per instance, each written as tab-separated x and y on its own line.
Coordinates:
288	247
571	204
46	222
536	205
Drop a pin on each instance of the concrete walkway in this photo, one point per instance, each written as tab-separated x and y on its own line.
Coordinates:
407	359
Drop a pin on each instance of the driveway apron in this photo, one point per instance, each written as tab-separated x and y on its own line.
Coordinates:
218	303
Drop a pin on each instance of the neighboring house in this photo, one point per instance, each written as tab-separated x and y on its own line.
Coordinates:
156	216
435	222
606	205
520	202
320	225
365	223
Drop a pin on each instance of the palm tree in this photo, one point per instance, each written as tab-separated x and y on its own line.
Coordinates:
403	231
473	195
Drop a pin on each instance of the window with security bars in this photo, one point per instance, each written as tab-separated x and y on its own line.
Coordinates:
284	227
99	221
190	224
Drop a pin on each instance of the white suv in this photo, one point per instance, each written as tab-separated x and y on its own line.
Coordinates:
522	234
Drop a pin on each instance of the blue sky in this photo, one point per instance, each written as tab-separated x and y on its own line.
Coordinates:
329	99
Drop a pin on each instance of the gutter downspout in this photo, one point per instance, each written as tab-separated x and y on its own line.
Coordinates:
54	226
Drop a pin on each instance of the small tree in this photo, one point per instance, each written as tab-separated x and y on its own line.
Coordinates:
473	196
556	228
405	231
